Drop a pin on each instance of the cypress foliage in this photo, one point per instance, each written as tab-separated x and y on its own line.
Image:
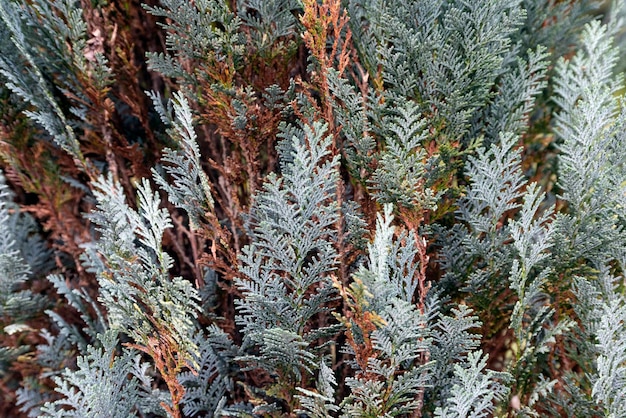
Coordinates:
312	208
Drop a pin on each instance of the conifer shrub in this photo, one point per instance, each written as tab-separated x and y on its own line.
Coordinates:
312	208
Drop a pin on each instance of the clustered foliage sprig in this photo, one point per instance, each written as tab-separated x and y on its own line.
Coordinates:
291	258
365	208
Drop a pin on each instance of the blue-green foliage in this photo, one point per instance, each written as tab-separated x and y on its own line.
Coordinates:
453	337
319	403
203	32
393	382
190	188
270	21
210	384
592	155
288	265
447	55
133	269
609	387
401	174
50	38
22	257
103	385
437	114
17	304
419	357
592	131
475	393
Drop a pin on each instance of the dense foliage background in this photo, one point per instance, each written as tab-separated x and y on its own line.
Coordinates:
359	208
